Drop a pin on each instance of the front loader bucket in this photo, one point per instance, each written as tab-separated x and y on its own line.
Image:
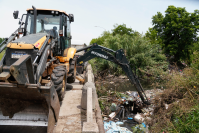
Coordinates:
29	105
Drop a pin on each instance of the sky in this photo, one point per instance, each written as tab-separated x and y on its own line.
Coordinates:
93	17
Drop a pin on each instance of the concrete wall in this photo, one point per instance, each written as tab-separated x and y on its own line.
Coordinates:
90	102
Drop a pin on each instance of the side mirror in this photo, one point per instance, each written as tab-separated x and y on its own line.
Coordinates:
15	14
71	17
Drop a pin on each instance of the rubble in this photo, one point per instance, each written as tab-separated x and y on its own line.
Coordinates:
128	109
139	118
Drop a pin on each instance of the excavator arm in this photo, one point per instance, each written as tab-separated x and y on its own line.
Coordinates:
117	57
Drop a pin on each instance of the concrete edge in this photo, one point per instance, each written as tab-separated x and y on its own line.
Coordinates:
96	126
99	119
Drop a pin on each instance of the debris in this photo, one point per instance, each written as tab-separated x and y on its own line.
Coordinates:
113	107
110	76
112	127
119	123
122	77
112	115
128	92
166	106
138	118
140	128
127	106
148	118
105	118
144	125
111	82
130	118
134	94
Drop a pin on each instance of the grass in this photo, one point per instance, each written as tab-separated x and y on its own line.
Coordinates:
1	54
187	123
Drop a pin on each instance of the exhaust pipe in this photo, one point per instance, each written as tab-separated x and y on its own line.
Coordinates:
35	16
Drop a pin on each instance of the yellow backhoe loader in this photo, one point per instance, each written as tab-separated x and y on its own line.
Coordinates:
34	70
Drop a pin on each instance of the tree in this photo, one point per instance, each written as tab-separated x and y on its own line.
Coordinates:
152	35
178	31
122	29
143	55
100	40
1	39
118	30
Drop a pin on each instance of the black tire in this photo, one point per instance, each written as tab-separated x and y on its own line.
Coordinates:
58	77
71	79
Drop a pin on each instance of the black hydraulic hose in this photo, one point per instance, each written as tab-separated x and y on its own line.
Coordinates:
35	16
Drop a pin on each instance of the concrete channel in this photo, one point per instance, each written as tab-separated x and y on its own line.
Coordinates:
80	111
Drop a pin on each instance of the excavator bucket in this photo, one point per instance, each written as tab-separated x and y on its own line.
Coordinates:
24	104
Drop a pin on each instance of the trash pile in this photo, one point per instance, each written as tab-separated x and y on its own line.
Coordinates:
120	105
128	114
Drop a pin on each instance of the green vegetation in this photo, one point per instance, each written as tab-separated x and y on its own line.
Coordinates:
1	39
187	123
176	32
3	52
143	56
182	96
174	35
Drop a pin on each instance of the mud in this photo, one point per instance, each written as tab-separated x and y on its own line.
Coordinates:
11	106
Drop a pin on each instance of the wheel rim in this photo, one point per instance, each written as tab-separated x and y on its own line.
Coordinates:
63	88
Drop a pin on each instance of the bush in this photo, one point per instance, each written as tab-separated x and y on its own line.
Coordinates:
187	123
143	56
182	96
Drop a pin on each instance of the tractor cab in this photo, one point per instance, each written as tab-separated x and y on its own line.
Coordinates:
53	22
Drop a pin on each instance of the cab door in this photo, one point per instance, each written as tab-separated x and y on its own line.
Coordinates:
67	33
65	40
